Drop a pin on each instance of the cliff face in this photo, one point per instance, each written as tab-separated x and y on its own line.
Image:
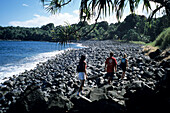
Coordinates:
53	85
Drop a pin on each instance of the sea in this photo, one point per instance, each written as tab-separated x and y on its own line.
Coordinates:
19	56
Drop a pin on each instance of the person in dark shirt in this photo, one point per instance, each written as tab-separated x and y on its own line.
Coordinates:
110	66
124	65
82	73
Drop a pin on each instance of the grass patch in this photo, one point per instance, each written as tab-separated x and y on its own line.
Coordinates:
121	40
135	42
150	44
163	40
138	42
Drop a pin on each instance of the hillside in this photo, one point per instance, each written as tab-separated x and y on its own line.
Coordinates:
163	40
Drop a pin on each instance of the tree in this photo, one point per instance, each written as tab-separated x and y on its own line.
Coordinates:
103	24
131	36
49	26
89	8
62	34
105	7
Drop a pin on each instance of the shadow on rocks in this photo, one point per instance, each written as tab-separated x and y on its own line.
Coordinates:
147	100
100	106
30	101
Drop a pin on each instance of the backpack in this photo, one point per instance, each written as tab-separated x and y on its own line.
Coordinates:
123	63
81	67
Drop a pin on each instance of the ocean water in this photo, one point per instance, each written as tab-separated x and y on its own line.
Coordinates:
18	56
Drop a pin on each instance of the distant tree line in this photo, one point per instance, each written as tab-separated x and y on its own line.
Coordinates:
133	28
23	33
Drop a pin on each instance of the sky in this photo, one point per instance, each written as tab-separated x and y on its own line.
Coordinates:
31	13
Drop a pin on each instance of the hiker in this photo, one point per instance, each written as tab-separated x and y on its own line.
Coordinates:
110	67
81	69
123	65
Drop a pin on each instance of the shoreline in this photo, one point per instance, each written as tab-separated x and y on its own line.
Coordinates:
32	65
57	81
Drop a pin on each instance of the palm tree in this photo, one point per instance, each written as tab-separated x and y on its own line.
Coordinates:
89	8
63	34
105	7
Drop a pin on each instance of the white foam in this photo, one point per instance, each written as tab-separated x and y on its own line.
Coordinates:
26	64
80	45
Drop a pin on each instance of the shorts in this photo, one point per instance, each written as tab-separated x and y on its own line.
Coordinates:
82	76
124	69
110	74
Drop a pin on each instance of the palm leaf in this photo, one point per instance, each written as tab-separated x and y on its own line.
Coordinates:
131	4
147	5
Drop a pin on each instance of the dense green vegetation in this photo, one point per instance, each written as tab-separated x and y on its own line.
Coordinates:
22	33
133	28
163	40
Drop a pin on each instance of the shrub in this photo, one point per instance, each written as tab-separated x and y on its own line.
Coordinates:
163	40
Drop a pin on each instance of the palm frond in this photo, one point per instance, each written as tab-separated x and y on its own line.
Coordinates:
147	5
137	3
104	6
54	6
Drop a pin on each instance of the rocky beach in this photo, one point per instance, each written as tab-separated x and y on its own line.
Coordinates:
52	86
